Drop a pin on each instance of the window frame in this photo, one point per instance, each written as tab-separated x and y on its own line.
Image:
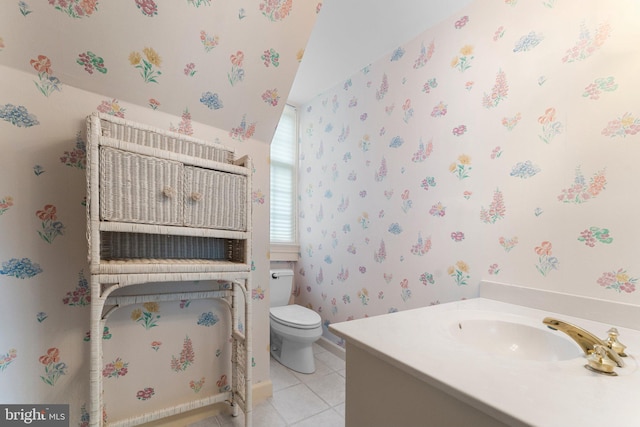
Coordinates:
287	250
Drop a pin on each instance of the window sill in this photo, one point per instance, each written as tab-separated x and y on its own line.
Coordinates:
284	252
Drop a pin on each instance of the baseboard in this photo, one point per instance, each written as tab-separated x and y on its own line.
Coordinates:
261	392
332	347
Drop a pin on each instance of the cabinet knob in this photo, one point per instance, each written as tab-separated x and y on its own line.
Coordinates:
168	192
196	197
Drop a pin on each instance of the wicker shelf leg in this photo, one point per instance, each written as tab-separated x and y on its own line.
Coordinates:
241	358
249	355
240	397
95	377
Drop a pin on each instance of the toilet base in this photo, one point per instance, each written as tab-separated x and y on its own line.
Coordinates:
297	356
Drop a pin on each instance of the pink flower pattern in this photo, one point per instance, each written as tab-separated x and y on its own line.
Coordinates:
618	280
498	93
187	357
496	210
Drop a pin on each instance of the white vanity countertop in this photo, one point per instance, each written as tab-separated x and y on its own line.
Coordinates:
517	392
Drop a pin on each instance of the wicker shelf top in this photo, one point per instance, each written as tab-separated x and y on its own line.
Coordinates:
169	267
149	261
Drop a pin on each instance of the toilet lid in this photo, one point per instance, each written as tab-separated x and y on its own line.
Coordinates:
295	316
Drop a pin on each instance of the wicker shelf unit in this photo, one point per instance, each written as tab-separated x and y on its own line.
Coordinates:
165	207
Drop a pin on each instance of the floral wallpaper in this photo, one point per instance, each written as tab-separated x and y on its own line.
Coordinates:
230	66
499	145
218	71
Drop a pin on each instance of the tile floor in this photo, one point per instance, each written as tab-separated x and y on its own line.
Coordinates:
299	400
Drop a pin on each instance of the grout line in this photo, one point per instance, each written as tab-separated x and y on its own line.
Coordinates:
329	405
300	382
279	414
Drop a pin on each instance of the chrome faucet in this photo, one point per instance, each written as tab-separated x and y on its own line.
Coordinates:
589	343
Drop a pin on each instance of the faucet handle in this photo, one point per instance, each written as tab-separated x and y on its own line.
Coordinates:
613	343
599	361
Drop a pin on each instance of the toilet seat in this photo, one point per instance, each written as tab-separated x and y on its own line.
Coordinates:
295	316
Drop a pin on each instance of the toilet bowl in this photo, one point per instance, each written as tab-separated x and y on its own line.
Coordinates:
293	328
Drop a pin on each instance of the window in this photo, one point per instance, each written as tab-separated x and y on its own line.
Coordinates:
284	166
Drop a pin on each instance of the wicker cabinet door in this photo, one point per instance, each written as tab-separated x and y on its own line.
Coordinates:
140	189
215	199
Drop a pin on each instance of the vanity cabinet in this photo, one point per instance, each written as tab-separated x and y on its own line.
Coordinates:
165	208
401	399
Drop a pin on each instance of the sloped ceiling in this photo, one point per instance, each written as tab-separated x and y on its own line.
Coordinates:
230	64
351	34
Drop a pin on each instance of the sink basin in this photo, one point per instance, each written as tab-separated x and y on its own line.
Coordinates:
515	340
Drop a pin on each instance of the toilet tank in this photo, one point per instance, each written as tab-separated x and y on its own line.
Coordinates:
281	285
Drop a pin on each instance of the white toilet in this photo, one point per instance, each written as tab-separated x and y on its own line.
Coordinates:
293	328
